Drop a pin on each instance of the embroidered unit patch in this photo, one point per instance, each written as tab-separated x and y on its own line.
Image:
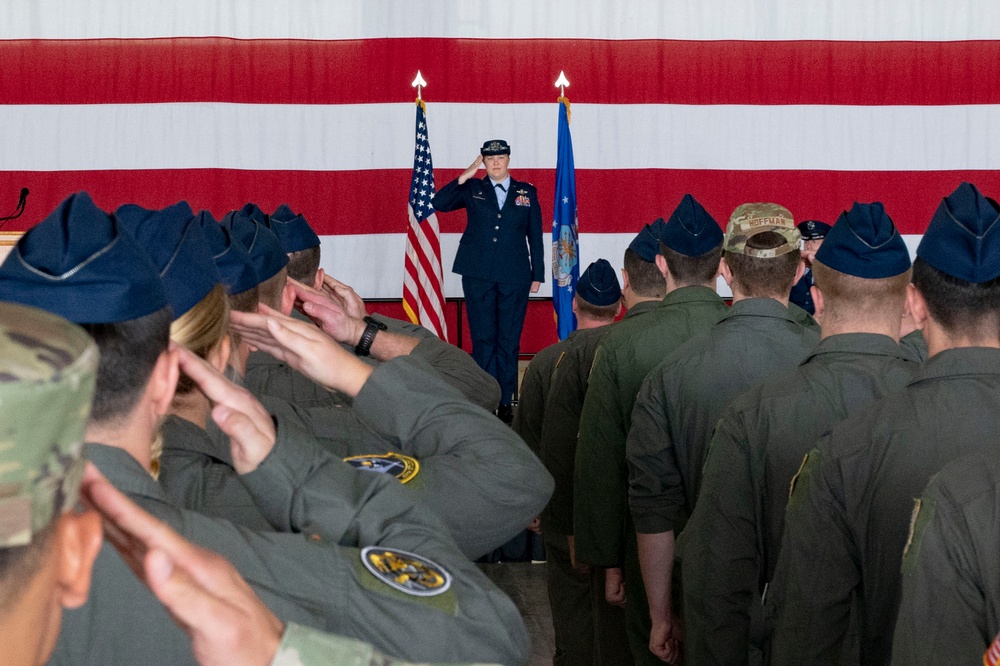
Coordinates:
406	572
402	467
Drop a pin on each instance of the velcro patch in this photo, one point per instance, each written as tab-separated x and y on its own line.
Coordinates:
404	468
406	572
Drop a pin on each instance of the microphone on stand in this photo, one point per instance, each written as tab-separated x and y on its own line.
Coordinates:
21	200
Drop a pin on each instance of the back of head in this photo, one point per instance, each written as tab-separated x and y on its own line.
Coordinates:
644	278
691	244
761	248
862	269
79	264
47	373
299	241
598	295
958	264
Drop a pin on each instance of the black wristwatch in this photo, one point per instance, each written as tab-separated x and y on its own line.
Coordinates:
364	347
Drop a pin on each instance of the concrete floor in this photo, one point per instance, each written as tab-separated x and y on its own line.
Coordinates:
524	583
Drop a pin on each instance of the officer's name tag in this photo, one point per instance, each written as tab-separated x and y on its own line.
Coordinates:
407	572
402	467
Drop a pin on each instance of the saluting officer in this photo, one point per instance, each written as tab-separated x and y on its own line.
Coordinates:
499	258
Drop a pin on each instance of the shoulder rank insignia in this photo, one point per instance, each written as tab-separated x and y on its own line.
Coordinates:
406	572
402	467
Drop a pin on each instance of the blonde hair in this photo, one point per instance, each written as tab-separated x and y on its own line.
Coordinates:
201	329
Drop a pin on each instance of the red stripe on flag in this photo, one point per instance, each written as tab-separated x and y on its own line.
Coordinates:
609	201
216	69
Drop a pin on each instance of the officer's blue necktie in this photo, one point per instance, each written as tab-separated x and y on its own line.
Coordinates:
501	195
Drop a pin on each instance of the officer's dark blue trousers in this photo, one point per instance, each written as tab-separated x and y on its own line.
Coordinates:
496	316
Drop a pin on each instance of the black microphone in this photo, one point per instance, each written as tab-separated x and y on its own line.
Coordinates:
21	201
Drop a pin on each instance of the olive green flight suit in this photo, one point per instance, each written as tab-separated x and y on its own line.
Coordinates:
530	411
303	573
847	519
915	345
950	608
732	540
602	528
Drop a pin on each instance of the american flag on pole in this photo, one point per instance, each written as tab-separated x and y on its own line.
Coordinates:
423	298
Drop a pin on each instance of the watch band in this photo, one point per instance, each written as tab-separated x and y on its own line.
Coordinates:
364	346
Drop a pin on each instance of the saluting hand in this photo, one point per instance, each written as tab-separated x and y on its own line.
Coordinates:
471	171
226	621
353	304
329	312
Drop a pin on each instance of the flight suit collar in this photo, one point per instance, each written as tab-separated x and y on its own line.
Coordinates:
758	307
641	308
968	361
691	294
182	435
123	471
873	344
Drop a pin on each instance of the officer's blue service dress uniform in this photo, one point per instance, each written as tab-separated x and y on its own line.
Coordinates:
499	256
800	295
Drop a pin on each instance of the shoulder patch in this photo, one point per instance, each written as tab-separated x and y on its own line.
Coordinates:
404	468
406	572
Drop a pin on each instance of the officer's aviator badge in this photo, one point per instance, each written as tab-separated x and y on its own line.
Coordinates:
404	468
406	572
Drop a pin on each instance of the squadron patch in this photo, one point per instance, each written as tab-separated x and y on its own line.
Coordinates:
404	468
406	572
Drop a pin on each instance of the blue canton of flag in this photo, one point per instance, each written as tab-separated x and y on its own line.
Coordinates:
565	250
422	182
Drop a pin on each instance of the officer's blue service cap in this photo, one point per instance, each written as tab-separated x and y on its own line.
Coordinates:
265	250
599	284
81	264
231	258
691	230
292	230
963	238
647	243
254	212
177	246
865	243
813	229
495	147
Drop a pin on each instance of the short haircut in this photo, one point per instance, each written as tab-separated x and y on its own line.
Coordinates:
601	312
959	306
687	271
304	264
270	289
245	301
201	329
764	278
860	298
129	351
644	276
18	566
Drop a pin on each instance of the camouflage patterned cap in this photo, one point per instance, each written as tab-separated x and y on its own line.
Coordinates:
756	218
48	367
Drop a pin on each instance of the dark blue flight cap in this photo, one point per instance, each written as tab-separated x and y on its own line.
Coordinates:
80	264
231	258
265	250
813	229
647	243
691	231
599	284
292	230
963	238
254	212
864	243
177	246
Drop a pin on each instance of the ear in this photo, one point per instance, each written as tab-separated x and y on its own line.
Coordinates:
916	305
78	540
621	304
574	306
726	274
218	358
287	299
818	302
625	282
163	382
799	271
318	282
661	263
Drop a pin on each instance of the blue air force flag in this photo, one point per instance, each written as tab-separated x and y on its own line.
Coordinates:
565	250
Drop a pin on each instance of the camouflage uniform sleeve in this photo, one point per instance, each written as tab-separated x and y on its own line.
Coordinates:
475	472
531	407
655	484
458	370
600	491
943	613
302	646
560	428
813	613
721	568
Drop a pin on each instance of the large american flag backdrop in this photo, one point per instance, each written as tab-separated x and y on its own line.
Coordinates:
813	105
